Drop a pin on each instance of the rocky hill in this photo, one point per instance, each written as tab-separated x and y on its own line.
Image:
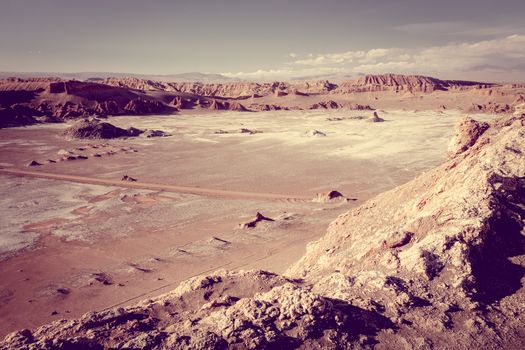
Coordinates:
435	263
138	84
399	82
53	99
33	100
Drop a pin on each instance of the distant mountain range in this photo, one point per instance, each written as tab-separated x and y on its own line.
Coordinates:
95	76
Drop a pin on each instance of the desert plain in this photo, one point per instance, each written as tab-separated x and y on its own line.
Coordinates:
93	224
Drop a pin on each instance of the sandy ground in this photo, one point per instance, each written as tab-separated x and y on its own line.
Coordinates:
82	241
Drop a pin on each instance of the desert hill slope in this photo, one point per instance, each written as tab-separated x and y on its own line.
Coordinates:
435	263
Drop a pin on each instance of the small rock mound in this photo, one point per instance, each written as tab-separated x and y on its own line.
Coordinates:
329	197
375	119
249	131
315	133
33	163
94	129
128	178
154	133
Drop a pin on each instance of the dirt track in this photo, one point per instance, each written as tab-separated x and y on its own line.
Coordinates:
151	186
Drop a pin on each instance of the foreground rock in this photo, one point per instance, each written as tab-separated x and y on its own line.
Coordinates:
467	134
436	263
433	255
95	129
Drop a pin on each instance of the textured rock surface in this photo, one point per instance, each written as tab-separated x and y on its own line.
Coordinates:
443	253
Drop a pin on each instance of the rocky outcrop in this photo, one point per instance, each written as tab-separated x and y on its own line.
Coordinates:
467	133
331	104
182	103
110	107
138	84
248	310
491	107
235	106
435	263
268	107
223	105
14	116
314	87
55	100
433	254
357	107
141	106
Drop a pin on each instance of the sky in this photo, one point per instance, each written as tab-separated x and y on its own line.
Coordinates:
267	39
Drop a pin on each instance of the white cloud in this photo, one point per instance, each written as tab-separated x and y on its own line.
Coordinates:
465	28
507	52
497	59
285	73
